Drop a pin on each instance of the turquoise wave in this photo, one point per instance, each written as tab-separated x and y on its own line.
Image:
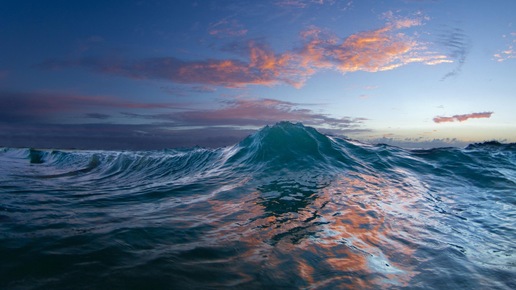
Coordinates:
287	207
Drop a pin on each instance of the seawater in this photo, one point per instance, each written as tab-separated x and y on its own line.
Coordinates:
286	208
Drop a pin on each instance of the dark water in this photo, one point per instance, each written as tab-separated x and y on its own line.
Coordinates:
286	208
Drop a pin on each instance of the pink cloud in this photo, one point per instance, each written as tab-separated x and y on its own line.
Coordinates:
257	112
382	49
509	52
462	118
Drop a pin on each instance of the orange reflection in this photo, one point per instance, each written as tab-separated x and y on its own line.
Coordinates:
333	235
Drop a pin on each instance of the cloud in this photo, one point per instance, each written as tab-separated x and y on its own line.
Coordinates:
462	118
27	107
457	44
227	28
46	108
29	120
263	67
292	3
509	52
255	113
382	49
306	3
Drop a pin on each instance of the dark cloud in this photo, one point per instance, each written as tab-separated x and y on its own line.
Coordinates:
27	107
457	44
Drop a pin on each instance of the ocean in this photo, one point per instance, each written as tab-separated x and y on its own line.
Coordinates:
286	208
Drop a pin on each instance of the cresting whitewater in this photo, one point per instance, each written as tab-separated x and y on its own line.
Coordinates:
286	208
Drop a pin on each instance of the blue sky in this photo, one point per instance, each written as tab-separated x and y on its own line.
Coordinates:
155	74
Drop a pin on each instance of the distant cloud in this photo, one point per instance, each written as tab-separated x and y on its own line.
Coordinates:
382	49
509	52
227	28
462	118
33	107
41	108
29	119
255	112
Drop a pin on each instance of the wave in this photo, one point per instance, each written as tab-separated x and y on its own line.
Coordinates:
287	207
285	144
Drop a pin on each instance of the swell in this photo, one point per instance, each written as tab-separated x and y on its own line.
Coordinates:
286	207
285	145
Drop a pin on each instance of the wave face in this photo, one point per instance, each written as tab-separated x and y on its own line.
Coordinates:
288	207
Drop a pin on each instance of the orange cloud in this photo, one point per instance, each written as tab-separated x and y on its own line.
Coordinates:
378	50
462	118
382	49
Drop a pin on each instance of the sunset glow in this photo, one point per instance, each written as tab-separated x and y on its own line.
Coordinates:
408	73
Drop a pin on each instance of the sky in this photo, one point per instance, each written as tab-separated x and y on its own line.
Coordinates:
164	74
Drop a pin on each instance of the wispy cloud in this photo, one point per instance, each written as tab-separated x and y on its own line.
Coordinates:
183	91
158	126
41	108
257	113
27	107
509	52
382	49
227	28
462	118
306	3
457	44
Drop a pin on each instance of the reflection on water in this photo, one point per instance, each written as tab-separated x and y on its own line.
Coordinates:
316	213
325	233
